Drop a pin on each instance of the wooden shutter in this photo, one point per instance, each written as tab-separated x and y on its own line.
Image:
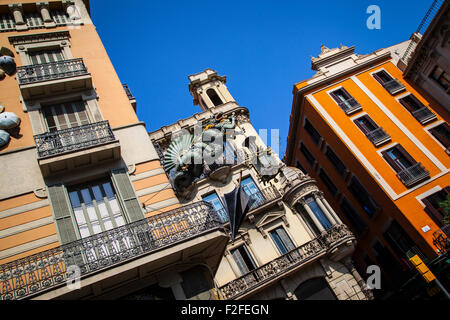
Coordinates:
127	195
62	211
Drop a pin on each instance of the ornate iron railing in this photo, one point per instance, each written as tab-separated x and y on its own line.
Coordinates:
423	115
393	86
378	136
284	263
441	238
264	196
413	174
73	139
51	71
349	105
49	269
128	91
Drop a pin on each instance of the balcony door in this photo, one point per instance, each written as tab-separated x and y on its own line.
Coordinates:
46	56
398	158
42	60
65	115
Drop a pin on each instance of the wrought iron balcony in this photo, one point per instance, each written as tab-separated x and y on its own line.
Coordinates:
48	270
413	174
51	71
441	238
349	106
127	91
378	136
264	196
393	86
73	139
285	263
423	115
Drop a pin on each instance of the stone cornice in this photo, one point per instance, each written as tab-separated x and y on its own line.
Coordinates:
39	37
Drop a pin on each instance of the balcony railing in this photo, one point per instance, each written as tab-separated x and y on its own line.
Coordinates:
49	269
393	86
51	71
73	139
423	115
441	238
284	263
413	174
264	196
349	105
127	91
378	136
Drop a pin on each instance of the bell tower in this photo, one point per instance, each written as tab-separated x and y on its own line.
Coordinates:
208	89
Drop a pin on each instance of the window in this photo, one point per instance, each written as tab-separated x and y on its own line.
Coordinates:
318	213
372	131
250	144
252	190
315	135
336	162
214	200
7	22
307	219
345	101
95	207
408	170
299	166
229	151
442	134
282	240
45	56
433	205
363	197
34	20
389	83
65	115
59	17
399	240
243	259
308	155
215	99
417	109
441	77
357	222
328	182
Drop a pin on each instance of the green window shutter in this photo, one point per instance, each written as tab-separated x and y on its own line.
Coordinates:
126	194
62	211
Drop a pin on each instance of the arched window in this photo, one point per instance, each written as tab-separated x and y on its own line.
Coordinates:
314	289
212	94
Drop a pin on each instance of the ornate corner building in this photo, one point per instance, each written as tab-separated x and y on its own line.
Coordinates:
377	141
291	244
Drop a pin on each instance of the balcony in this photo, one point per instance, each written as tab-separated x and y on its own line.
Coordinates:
47	79
393	86
290	262
413	174
265	196
424	115
130	96
74	147
48	270
350	106
378	136
441	239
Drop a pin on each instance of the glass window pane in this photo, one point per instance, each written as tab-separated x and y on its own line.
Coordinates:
320	215
85	193
98	195
108	189
103	209
74	199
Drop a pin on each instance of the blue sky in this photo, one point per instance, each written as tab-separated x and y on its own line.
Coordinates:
263	47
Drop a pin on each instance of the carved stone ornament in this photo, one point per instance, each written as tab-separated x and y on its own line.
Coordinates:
40	192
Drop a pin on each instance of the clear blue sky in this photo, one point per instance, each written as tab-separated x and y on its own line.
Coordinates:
263	47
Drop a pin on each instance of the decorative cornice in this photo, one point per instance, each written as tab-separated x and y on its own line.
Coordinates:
39	37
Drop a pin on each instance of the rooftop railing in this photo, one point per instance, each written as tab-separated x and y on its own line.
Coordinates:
50	71
49	269
73	139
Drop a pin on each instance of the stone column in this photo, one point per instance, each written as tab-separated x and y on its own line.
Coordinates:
313	217
332	212
17	11
318	198
45	13
349	264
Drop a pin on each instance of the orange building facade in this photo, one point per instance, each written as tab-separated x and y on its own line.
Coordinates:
377	147
79	174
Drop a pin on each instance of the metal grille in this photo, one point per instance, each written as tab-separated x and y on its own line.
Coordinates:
51	71
46	270
413	174
127	91
441	238
393	86
423	115
378	136
265	196
73	139
284	263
